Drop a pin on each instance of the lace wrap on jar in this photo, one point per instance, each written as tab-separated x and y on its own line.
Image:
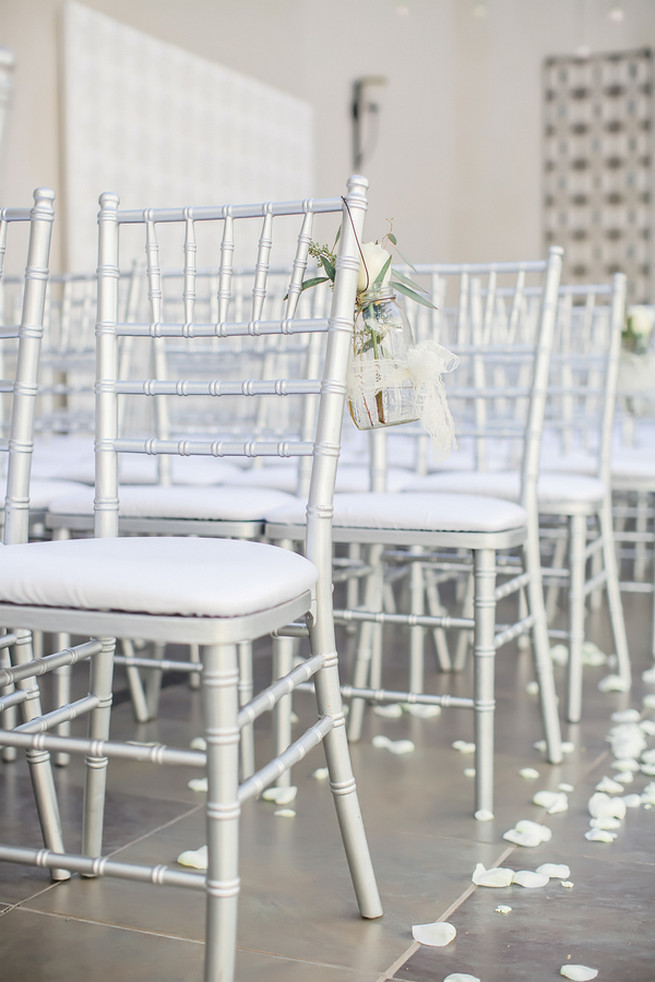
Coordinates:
392	380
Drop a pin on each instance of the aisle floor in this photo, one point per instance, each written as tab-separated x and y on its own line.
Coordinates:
298	918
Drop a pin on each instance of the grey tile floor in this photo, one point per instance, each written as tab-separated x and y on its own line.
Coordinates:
298	919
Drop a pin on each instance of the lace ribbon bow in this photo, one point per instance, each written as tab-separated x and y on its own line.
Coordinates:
424	366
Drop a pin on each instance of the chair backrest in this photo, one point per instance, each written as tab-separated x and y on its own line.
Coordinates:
24	232
583	377
229	361
498	318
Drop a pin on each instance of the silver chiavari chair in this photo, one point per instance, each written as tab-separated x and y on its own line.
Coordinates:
503	337
184	589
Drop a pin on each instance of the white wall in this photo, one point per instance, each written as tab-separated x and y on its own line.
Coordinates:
457	163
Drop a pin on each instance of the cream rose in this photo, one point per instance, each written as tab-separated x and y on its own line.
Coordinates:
640	320
373	259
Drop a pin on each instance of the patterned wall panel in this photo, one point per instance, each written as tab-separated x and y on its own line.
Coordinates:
164	127
598	172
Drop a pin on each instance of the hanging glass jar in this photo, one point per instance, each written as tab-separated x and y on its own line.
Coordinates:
380	393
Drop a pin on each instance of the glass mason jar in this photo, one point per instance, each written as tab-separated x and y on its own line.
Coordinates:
380	393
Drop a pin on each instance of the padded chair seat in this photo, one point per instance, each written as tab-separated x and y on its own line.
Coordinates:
554	489
413	511
159	575
227	503
72	459
350	477
43	491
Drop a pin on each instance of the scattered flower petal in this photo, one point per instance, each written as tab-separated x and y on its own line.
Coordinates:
600	835
626	716
553	801
469	772
284	813
568	746
613	683
197	784
400	747
422	712
578	973
461	977
559	654
648	770
647	726
539	745
609	786
281	796
609	824
625	777
626	764
555	871
649	675
532	688
436	935
528	833
530	878
600	805
568	884
503	909
198	743
196	858
632	800
321	774
529	773
648	757
483	815
568	788
394	746
649	701
499	876
464	747
392	710
592	655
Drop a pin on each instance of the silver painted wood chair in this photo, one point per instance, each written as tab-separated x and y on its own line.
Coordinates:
497	396
25	236
214	592
573	490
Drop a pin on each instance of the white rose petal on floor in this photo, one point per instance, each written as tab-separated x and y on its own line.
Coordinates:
555	871
528	833
435	935
553	801
530	879
578	973
195	858
281	796
461	977
464	747
503	909
394	746
498	876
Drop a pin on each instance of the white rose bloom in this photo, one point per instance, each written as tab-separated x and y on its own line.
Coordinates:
374	256
641	320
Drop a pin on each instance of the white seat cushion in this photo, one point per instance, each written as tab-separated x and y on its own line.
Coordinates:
43	491
412	511
350	477
220	503
160	575
553	487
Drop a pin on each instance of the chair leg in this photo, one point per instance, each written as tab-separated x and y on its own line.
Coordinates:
40	763
95	784
577	543
416	633
245	695
366	642
342	780
614	593
220	679
484	657
543	664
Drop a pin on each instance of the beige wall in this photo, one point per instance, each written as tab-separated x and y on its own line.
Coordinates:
456	162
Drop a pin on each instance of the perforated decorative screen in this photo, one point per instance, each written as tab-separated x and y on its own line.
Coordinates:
598	175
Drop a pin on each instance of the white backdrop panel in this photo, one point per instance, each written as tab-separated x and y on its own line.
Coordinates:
164	127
